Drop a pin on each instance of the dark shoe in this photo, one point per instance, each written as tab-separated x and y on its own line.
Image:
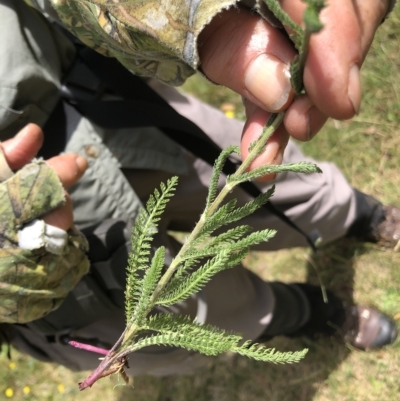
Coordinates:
367	328
388	232
361	327
375	222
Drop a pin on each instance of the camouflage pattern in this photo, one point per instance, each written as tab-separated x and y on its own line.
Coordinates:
33	283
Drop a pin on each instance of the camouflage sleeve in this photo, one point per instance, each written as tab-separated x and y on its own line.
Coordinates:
34	282
151	38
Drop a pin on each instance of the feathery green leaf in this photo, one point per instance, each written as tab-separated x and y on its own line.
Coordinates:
302	167
148	284
179	331
179	291
261	353
142	235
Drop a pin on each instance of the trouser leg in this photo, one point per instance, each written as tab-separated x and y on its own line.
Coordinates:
291	310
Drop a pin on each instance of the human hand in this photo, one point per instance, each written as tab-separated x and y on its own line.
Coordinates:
50	262
19	151
243	52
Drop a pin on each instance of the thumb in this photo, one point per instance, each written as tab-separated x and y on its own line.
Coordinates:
243	52
21	149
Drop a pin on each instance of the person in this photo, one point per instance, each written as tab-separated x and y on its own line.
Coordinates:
109	172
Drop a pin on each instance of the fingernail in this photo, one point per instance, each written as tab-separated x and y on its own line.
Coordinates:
268	79
82	163
354	88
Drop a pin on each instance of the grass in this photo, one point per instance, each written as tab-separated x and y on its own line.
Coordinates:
366	149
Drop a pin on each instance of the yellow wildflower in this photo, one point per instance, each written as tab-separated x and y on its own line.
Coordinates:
61	388
26	390
9	392
228	109
12	365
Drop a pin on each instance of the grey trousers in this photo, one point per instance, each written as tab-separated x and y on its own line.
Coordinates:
236	299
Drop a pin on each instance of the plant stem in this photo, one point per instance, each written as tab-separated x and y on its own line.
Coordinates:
88	347
266	133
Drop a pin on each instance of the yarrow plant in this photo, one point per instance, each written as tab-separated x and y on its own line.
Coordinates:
151	284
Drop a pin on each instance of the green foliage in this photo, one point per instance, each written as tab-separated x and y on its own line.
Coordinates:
199	259
261	353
